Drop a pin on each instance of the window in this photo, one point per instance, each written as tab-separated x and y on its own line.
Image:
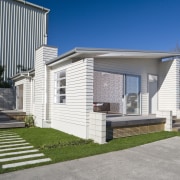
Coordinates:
60	87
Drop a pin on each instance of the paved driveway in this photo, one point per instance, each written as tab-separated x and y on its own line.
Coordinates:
158	160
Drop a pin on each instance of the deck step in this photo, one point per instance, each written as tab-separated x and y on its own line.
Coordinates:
177	129
176	124
8	119
176	120
11	124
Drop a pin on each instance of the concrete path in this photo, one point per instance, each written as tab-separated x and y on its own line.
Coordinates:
156	161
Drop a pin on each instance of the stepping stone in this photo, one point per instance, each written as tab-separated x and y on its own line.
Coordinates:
25	163
17	148
10	139
22	157
13	145
12	142
19	152
1	137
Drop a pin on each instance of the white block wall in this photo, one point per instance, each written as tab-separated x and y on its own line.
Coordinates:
43	54
169	86
73	117
168	115
97	127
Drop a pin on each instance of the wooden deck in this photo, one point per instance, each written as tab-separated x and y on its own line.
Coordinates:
11	119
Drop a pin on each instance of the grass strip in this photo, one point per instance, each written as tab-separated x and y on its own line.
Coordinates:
60	146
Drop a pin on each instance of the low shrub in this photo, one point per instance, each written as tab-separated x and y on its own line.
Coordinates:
29	121
68	143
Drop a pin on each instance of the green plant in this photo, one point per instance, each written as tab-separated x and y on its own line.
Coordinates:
29	121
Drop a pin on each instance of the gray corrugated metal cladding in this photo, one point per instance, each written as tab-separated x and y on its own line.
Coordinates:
23	28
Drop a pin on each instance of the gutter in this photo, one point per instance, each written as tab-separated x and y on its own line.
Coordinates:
33	5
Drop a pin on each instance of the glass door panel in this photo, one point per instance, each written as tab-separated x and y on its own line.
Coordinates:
132	89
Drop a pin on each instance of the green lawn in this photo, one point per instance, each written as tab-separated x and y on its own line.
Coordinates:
62	147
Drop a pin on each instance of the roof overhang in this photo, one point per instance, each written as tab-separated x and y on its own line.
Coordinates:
24	74
80	53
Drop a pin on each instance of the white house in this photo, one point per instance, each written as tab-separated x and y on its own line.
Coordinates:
63	91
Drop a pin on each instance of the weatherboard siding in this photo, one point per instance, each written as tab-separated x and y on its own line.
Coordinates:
169	86
73	116
45	53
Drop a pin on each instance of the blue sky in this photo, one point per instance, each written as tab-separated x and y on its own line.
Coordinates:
122	24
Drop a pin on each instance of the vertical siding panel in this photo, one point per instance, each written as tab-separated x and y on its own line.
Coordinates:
20	34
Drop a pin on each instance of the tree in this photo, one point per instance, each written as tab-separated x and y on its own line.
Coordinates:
3	84
1	73
177	48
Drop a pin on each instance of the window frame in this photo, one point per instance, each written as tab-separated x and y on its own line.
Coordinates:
60	76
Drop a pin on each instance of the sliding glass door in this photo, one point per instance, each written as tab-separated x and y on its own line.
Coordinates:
132	91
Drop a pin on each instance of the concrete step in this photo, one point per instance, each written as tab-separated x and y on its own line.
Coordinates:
22	157
25	163
13	141
13	145
16	148
18	152
10	139
5	136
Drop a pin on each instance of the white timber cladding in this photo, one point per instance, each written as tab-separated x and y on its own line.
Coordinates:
131	66
26	82
43	54
73	116
169	78
23	30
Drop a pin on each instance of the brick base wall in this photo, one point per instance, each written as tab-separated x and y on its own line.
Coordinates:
118	132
